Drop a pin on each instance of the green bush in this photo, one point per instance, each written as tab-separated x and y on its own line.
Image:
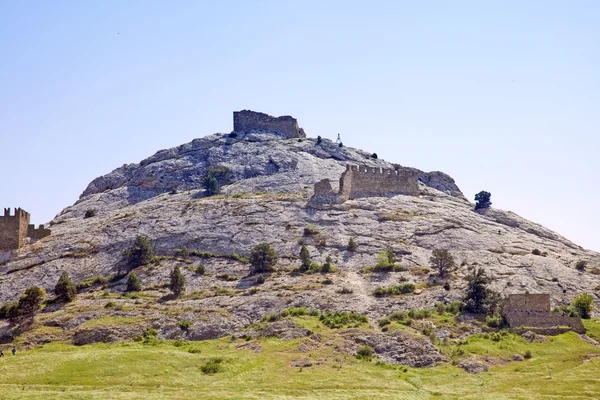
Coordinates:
442	260
319	140
311	230
384	322
140	253
31	300
134	284
65	290
365	353
259	280
394	290
527	355
177	283
583	305
305	257
89	213
580	266
374	155
494	321
97	280
352	246
446	286
482	200
536	252
263	258
9	310
200	270
212	366
185	324
183	252
340	319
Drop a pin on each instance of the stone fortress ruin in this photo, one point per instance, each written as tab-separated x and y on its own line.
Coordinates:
246	121
360	181
533	312
15	229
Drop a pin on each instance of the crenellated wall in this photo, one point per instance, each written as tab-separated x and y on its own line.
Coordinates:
360	181
15	228
246	120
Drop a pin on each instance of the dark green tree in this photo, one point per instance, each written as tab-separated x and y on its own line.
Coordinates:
134	284
328	266
305	257
374	155
479	299
31	300
65	290
319	140
583	305
482	200
442	260
211	185
263	258
352	246
177	284
140	253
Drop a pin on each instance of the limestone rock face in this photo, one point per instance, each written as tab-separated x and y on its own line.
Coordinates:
266	199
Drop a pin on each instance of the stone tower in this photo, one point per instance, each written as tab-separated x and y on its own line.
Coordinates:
15	228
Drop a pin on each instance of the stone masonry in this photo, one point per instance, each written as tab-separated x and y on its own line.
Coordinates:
361	181
246	121
14	229
533	310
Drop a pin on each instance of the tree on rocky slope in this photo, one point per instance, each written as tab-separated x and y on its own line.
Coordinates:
177	284
140	253
305	257
442	260
134	284
31	300
482	200
583	305
263	258
211	185
479	298
65	290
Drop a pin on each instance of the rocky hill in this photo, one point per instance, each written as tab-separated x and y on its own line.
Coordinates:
267	184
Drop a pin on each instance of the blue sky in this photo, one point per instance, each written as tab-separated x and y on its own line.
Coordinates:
502	95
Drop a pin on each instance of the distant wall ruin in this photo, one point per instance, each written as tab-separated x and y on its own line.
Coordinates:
360	181
533	310
246	121
14	229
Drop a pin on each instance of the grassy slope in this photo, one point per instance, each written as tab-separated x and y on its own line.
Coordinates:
168	371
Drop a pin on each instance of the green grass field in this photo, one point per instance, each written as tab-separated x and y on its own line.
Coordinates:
172	370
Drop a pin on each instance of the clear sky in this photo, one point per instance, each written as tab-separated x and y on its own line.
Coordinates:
502	95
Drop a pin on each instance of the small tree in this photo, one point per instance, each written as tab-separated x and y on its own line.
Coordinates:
352	246
580	266
583	305
305	257
482	200
31	300
442	260
89	213
479	299
134	284
374	155
328	266
263	258
141	253
211	185
177	284
386	257
65	290
319	140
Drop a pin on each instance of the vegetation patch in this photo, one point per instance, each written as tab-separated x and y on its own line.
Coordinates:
396	290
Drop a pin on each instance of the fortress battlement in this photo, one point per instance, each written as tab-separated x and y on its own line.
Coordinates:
246	121
15	228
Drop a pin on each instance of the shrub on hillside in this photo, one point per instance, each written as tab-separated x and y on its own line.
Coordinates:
442	260
583	305
263	258
479	298
65	290
134	284
9	310
580	266
352	246
365	353
31	300
340	319
89	213
482	200
177	283
140	253
394	290
305	257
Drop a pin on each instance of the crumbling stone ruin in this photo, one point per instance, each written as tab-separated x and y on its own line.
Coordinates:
533	311
246	121
14	229
359	181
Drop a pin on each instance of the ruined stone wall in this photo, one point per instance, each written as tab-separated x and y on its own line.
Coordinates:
368	181
245	121
546	320
529	303
13	229
37	233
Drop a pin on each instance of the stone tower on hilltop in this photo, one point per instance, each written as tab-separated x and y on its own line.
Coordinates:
14	229
246	121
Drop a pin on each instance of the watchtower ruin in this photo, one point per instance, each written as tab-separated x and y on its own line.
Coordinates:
246	121
14	229
360	181
533	312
